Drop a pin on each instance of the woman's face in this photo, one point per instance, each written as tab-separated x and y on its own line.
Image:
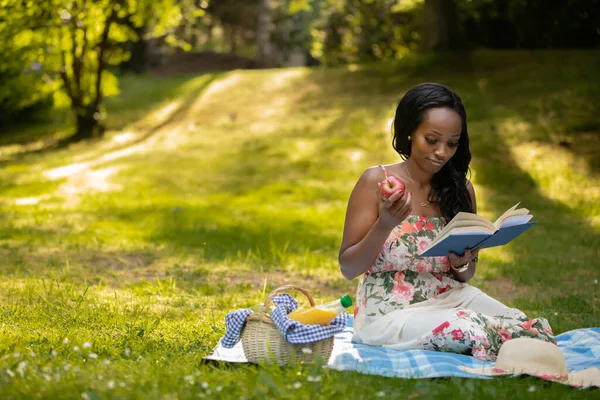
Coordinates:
435	141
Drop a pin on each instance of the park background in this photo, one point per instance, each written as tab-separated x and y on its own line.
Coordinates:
166	162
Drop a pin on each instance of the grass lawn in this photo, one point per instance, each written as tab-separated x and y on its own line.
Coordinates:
120	259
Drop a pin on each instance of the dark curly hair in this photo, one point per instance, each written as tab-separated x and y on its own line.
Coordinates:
449	185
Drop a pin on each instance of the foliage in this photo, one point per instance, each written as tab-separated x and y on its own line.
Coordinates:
532	24
75	44
356	30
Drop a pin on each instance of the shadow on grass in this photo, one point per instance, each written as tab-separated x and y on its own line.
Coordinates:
131	109
250	237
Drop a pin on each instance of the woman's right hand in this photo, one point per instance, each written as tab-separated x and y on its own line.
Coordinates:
395	209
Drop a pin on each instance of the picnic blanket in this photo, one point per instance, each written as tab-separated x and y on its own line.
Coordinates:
581	348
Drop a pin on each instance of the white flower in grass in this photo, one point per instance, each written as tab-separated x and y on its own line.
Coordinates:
76	348
531	388
127	352
87	345
313	378
140	358
93	355
306	350
65	340
32	354
107	361
189	379
21	368
218	389
53	353
110	384
10	373
595	281
381	393
17	355
204	385
297	385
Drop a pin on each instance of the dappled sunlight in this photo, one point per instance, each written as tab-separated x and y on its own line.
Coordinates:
355	156
8	152
303	149
89	181
123	137
77	168
283	77
515	127
30	201
221	85
252	175
559	173
166	111
354	67
66	171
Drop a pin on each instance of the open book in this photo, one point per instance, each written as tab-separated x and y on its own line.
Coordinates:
468	231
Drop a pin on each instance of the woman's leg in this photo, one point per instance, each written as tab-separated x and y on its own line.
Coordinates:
484	304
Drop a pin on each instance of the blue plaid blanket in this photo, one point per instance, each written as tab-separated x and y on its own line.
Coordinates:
581	348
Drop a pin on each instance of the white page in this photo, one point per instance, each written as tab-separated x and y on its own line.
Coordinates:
516	220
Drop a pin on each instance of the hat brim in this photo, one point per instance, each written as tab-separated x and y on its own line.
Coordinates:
582	379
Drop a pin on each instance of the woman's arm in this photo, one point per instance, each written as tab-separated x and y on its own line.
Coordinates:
369	221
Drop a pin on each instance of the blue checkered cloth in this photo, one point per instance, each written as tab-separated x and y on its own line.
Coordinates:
234	323
581	348
298	333
292	331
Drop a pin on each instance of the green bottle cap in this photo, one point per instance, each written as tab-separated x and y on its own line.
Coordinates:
346	301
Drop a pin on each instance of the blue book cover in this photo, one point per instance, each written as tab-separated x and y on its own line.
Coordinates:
459	242
506	234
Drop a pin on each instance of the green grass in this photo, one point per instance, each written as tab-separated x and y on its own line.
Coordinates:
210	191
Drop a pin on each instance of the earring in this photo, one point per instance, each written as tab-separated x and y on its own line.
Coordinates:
409	138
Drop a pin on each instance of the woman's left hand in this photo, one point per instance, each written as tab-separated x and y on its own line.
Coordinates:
458	261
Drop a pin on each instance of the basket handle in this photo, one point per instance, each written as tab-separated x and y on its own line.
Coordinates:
285	288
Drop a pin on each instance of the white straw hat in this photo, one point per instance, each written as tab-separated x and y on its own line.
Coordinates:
536	358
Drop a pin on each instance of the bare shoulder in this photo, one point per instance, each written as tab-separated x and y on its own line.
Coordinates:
377	172
373	174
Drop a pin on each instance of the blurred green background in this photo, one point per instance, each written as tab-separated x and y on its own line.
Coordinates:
166	162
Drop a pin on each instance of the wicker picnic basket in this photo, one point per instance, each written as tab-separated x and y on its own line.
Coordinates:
262	341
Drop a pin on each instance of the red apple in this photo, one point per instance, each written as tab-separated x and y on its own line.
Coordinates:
389	186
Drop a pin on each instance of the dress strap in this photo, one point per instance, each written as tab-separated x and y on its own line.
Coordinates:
384	171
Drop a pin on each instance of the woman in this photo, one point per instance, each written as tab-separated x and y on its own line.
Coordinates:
405	301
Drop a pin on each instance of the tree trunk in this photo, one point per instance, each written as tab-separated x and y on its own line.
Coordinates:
139	62
263	32
442	30
88	124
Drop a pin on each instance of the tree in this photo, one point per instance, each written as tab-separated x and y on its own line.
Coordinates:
76	42
263	32
442	29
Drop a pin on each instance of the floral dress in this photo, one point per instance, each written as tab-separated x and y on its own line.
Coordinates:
405	301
